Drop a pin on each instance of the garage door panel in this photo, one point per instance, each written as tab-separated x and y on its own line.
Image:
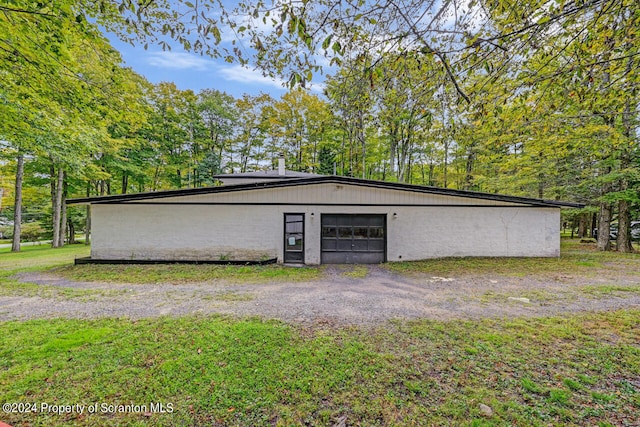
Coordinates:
376	245
329	244
353	239
344	245
360	245
344	220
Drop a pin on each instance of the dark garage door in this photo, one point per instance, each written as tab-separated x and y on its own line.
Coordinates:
353	239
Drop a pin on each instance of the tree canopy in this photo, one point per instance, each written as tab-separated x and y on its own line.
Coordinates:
536	98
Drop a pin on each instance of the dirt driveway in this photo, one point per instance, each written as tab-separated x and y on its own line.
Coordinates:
338	298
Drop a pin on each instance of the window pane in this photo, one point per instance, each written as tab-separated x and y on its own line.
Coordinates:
344	232
294	227
329	232
294	218
376	232
294	242
360	233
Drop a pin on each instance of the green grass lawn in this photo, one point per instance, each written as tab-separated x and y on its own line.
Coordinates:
183	273
576	258
40	256
217	371
578	371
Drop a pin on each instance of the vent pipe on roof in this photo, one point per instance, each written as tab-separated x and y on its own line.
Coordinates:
281	165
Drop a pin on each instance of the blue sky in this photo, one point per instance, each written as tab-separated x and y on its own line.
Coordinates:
195	72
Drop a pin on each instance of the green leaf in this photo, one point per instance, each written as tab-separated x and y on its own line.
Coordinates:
326	42
543	20
216	34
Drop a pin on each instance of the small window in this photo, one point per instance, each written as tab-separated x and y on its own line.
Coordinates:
345	232
360	233
329	232
294	227
376	233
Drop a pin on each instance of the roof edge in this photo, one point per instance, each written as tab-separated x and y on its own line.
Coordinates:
322	179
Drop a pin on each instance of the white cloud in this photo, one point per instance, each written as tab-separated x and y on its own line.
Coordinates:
178	61
240	74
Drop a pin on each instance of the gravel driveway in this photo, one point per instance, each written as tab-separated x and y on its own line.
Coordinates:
336	299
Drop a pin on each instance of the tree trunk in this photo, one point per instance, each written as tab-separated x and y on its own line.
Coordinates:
72	233
582	226
362	139
393	147
604	227
17	207
468	172
57	208
623	241
63	213
87	226
446	161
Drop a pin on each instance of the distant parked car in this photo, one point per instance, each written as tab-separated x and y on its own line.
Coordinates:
635	230
613	231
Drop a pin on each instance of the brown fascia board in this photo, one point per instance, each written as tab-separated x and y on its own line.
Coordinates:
123	198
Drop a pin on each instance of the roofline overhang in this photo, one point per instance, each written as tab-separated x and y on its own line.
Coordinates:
272	177
322	179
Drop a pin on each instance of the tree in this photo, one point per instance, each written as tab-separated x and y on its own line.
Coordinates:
61	91
297	124
326	160
252	131
351	97
218	112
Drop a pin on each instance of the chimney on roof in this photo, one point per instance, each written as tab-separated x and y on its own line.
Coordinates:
281	165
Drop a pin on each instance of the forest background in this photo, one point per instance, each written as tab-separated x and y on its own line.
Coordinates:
536	99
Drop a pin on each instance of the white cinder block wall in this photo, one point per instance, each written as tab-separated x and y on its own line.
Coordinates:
183	232
435	232
214	232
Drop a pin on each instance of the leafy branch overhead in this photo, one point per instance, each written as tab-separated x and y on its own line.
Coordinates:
295	39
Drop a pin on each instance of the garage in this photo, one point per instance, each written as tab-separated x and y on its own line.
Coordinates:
320	219
353	238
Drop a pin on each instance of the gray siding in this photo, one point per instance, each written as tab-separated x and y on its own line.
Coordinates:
331	194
